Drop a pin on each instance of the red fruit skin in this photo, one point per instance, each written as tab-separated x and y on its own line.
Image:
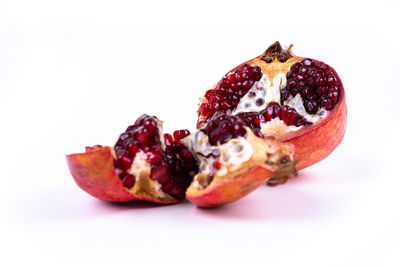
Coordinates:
228	191
94	172
312	146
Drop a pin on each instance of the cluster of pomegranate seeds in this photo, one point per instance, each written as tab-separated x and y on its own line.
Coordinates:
223	128
142	136
170	167
273	110
226	95
316	82
178	167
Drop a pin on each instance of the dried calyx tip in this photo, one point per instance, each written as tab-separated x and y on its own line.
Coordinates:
276	51
287	170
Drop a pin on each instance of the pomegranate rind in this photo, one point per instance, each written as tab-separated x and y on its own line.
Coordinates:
228	191
315	145
94	172
234	185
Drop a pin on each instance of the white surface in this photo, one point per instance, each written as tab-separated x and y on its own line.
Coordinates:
76	73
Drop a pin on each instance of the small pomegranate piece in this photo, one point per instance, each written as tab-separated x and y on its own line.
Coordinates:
297	100
144	164
234	161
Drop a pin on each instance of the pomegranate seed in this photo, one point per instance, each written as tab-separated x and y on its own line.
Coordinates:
269	114
142	136
215	106
168	186
276	108
246	84
303	70
177	191
283	114
310	106
132	149
322	90
203	109
224	84
231	78
320	81
124	136
307	62
180	134
226	104
243	77
299	77
295	66
154	155
125	161
259	119
216	98
291	84
209	93
240	93
331	80
333	96
236	86
150	125
168	139
291	117
250	71
327	104
158	172
128	181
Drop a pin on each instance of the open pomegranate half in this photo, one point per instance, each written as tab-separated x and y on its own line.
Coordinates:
297	100
233	161
140	166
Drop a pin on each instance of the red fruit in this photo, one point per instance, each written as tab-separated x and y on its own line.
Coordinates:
297	100
139	167
234	161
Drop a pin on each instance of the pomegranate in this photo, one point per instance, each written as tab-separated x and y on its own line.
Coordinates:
226	159
233	161
297	100
142	165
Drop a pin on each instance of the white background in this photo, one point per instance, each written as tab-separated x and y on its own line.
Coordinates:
76	73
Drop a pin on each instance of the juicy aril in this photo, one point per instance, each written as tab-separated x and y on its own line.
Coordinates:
234	161
140	166
297	100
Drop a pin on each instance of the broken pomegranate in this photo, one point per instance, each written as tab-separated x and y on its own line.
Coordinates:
225	158
233	161
297	100
140	166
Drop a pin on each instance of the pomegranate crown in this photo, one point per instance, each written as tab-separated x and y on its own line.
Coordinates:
276	51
